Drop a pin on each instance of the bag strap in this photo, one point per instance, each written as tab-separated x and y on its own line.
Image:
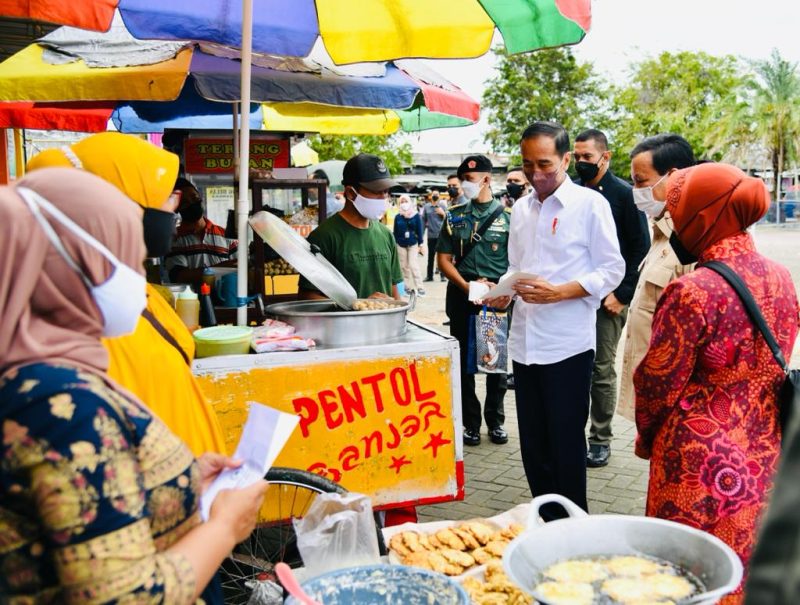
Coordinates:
147	314
478	235
750	305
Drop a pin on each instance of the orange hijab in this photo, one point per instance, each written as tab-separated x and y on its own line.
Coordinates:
710	202
46	311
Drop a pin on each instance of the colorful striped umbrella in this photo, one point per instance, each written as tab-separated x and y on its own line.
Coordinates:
351	30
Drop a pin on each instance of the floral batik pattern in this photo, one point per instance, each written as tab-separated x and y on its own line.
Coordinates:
707	396
95	489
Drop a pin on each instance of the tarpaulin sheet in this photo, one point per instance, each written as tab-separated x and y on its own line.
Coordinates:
77	117
218	79
25	77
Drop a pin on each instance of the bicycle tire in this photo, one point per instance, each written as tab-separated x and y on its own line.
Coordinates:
270	543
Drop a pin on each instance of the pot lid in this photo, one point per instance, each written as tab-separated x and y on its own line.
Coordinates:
299	253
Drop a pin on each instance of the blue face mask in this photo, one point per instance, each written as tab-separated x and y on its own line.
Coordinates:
122	297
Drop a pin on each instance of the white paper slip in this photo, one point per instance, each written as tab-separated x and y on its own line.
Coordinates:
505	287
265	433
478	290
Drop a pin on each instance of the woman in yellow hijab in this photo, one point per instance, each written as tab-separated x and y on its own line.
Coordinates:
155	361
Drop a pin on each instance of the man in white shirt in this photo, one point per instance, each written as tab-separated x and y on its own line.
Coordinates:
565	235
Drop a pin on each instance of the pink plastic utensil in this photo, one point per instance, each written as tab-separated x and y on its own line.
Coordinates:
290	583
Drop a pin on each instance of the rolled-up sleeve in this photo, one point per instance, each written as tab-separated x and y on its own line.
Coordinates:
608	266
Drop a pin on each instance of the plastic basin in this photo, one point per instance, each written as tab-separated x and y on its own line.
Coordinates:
222	340
383	585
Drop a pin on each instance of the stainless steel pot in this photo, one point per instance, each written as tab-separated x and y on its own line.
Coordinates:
320	320
581	535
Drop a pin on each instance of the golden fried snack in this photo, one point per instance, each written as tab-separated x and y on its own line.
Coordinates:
450	539
481	555
481	531
577	571
494	570
496	547
434	542
669	586
565	593
412	541
397	544
466	537
418	559
457	557
441	565
633	566
512	531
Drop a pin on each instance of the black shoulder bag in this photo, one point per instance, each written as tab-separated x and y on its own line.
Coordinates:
789	397
478	235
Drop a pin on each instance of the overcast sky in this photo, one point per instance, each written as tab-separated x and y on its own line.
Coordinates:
626	30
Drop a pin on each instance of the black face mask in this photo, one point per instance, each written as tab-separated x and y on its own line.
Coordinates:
434	198
587	171
159	228
684	256
452	192
515	190
192	213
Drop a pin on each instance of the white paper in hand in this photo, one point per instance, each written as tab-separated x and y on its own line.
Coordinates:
505	287
264	434
478	290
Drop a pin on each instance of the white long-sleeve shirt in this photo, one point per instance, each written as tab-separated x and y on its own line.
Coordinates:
570	236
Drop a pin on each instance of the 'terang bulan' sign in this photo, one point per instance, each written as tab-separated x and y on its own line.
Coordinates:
206	156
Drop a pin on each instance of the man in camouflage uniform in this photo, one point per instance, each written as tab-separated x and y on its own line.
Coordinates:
472	246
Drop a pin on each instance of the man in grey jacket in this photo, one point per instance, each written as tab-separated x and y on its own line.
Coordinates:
433	215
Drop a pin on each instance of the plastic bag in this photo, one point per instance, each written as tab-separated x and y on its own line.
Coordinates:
265	592
337	531
491	342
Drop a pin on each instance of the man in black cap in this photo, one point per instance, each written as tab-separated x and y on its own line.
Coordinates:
353	240
473	246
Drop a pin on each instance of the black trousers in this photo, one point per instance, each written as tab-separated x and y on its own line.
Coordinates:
552	409
461	312
431	256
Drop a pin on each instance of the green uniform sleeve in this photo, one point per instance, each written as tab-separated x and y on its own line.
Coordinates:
445	243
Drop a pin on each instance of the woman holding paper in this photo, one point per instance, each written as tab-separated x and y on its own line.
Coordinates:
100	499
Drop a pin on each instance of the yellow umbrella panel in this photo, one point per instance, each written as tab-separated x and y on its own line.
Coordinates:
25	76
327	119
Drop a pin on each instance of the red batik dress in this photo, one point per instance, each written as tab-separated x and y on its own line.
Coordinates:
706	396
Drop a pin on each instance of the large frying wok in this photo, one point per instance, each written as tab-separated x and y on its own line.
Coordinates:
582	535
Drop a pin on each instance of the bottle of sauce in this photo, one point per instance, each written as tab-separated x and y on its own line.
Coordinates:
207	316
209	277
188	308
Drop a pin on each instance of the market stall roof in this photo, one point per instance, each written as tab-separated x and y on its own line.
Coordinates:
351	30
77	117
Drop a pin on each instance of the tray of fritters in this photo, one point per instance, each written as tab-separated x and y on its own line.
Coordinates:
454	547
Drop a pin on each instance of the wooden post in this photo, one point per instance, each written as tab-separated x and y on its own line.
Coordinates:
4	176
19	154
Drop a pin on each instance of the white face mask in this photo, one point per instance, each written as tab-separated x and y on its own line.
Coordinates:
405	206
370	208
470	189
122	297
646	202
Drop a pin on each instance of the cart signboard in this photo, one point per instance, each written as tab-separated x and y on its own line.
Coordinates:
376	420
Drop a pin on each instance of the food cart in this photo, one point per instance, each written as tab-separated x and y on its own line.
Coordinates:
377	397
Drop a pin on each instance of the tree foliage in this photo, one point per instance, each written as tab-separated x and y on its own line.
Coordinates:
776	111
543	85
687	93
393	149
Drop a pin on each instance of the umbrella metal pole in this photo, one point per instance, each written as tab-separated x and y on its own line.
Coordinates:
244	160
235	138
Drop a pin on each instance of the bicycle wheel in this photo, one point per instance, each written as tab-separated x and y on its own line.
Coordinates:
292	491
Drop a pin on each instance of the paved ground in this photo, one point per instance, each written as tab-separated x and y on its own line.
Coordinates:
495	480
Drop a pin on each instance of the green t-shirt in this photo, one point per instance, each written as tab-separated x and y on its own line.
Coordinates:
366	257
489	257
